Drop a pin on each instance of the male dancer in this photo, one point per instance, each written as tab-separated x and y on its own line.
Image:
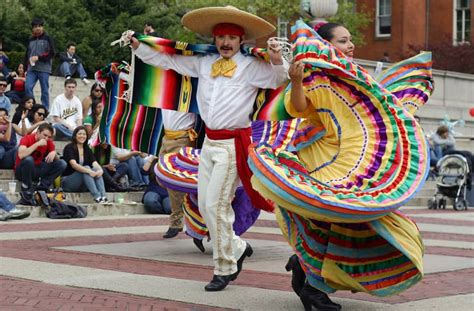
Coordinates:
179	132
228	85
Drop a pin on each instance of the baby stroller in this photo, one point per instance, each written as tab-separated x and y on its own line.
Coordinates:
452	181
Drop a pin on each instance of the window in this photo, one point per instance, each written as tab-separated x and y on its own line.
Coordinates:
282	28
462	21
383	22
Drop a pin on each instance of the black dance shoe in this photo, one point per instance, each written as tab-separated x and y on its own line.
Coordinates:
298	277
218	283
171	233
199	245
247	253
312	297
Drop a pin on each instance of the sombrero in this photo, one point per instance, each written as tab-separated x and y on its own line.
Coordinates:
203	20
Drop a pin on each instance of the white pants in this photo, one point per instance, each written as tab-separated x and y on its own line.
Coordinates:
217	182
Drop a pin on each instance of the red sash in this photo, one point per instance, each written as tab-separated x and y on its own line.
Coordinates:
242	141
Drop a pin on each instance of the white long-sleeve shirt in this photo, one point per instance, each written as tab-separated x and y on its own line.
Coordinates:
224	103
178	121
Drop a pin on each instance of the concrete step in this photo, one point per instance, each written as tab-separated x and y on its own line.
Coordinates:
56	87
94	210
86	198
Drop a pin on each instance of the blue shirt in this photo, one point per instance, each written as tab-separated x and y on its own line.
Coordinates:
5	103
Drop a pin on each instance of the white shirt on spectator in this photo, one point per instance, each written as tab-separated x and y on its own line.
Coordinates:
116	152
68	110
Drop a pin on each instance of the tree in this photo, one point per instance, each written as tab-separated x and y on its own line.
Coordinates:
353	20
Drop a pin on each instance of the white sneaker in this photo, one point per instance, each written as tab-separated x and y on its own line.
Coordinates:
85	81
18	214
4	215
104	200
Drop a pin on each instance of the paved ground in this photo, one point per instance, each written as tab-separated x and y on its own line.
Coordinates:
122	263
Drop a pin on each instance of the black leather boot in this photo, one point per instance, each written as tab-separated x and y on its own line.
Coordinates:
199	245
218	283
312	297
247	253
172	232
298	276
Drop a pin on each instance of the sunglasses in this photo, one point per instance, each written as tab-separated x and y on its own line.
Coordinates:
41	114
3	84
98	90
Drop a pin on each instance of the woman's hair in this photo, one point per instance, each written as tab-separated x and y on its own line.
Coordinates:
442	129
92	94
21	106
95	103
34	109
151	170
74	138
76	130
326	30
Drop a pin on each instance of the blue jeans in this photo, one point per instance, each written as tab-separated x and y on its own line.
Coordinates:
67	69
81	182
154	204
62	131
27	171
135	164
7	157
31	78
5	204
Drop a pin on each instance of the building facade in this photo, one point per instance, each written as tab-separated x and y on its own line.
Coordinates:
399	24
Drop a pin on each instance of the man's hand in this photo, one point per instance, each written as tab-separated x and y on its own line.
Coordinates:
110	167
33	59
42	142
134	42
50	157
274	50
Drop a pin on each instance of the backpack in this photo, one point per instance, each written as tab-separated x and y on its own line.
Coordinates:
65	210
56	209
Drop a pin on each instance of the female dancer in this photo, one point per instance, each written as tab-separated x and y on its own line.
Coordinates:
364	157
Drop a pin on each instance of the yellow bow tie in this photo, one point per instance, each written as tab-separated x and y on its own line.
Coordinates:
225	67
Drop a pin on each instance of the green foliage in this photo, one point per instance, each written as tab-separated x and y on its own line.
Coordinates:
353	20
94	24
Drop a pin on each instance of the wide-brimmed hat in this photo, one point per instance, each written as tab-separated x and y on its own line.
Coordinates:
203	20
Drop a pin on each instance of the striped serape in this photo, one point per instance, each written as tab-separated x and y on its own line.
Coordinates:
126	125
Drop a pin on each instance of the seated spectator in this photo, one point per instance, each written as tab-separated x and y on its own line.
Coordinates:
67	110
135	161
83	172
155	198
4	101
8	210
21	114
36	116
16	79
70	63
7	141
112	172
95	94
149	29
92	121
3	64
37	160
442	141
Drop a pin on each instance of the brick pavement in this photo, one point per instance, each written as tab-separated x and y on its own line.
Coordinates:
20	294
